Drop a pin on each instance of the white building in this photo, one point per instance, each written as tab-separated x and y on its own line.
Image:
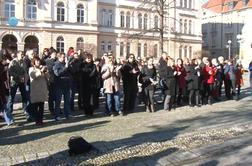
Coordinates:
121	26
226	29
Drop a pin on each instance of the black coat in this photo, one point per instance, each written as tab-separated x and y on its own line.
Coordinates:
88	76
145	76
192	78
170	81
129	78
162	69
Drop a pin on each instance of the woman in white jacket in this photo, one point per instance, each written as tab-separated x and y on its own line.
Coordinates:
39	93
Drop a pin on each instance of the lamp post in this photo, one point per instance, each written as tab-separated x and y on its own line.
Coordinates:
229	48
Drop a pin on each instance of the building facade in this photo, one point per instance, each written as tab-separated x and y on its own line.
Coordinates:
226	29
98	26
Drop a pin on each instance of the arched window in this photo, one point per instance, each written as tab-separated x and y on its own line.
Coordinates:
60	11
185	52
185	26
140	21
180	52
145	22
190	26
60	44
185	3
122	19
145	50
80	13
80	43
103	46
31	10
128	20
9	8
156	22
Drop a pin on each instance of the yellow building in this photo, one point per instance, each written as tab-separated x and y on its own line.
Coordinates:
121	26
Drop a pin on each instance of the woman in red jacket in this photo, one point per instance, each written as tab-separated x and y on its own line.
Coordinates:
181	74
209	79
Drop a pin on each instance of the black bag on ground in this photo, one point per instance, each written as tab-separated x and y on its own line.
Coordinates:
78	145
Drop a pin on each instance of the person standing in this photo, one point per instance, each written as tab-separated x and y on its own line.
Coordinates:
38	81
111	75
239	79
170	92
51	82
230	74
17	74
88	75
181	74
4	88
130	72
148	78
62	82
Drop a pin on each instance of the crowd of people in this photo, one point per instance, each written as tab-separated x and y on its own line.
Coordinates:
53	75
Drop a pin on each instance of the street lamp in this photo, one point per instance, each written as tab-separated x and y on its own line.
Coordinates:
229	48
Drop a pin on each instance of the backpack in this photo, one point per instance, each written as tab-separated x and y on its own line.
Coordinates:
78	145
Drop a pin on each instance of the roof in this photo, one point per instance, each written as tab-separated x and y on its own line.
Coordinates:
221	6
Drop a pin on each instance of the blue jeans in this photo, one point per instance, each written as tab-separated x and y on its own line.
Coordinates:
113	97
65	91
9	106
7	116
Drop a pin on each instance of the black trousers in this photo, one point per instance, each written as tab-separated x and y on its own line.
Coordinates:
51	97
88	101
37	111
197	96
130	94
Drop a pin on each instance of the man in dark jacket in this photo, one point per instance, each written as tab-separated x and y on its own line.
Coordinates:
51	83
130	72
62	82
17	73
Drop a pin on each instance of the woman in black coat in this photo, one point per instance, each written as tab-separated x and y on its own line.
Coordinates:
193	82
170	79
148	77
88	84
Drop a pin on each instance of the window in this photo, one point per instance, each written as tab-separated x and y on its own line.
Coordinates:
185	52
190	26
80	43
122	19
231	5
190	52
60	11
121	49
145	21
139	49
103	46
9	8
104	16
245	2
185	3
140	21
181	3
185	26
145	50
31	10
181	26
156	22
60	44
180	52
109	46
80	13
128	49
190	4
128	20
155	50
110	18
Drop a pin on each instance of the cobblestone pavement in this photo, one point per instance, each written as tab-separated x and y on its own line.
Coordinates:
140	138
